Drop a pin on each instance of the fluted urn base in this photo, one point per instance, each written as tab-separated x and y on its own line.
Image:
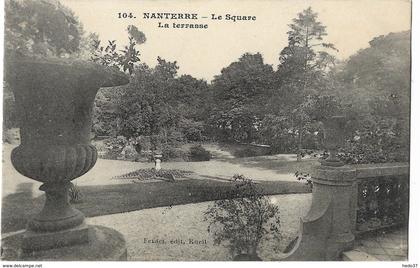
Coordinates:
57	213
58	224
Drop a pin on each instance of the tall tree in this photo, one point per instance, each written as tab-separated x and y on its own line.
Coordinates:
304	64
160	104
41	28
238	96
374	86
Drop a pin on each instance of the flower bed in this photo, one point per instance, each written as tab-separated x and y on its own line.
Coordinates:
147	174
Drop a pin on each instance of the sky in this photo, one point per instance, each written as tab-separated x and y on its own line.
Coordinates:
351	24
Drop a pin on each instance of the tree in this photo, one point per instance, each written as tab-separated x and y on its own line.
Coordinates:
377	79
304	64
124	59
374	86
238	94
160	104
105	111
40	28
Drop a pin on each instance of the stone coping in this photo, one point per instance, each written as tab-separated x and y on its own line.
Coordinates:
379	170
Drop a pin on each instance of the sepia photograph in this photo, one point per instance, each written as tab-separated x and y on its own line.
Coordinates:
208	130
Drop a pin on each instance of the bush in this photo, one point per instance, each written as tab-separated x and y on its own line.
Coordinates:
246	152
114	147
379	142
198	153
245	219
75	195
169	152
192	130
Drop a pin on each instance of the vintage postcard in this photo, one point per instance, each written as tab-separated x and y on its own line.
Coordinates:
140	130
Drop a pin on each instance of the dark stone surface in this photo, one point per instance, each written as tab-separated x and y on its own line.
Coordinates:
35	241
104	244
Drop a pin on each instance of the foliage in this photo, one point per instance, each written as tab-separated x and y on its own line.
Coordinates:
282	131
41	28
306	177
199	153
192	130
376	80
302	73
105	121
246	152
238	93
248	101
9	111
374	86
114	147
276	131
158	103
245	219
170	152
140	110
75	195
376	142
123	59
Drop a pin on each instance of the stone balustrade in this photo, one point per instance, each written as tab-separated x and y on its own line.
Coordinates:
380	189
329	227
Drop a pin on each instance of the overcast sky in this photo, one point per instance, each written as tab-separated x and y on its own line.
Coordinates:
351	24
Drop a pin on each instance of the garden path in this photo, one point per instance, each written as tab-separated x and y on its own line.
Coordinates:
185	222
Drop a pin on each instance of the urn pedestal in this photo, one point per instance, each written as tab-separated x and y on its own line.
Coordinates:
334	138
54	100
326	230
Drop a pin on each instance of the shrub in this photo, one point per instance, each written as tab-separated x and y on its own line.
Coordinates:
198	153
306	177
192	130
378	142
75	195
246	152
245	219
169	152
114	147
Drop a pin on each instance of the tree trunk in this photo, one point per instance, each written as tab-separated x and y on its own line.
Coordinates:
299	155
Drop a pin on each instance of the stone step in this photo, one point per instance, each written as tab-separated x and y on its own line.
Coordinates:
357	255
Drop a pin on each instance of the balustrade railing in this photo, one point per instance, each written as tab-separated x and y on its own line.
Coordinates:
380	197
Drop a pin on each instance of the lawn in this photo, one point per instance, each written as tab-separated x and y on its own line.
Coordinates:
99	200
103	195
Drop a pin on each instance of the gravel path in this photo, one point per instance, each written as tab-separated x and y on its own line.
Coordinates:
185	222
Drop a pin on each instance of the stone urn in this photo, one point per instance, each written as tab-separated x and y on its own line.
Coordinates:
54	99
334	132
